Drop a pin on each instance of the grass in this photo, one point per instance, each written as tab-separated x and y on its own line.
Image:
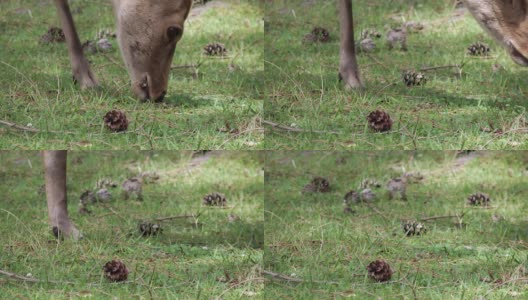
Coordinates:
36	86
309	237
186	261
449	112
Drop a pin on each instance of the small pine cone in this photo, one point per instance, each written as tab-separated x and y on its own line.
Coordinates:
103	195
411	78
318	34
116	120
147	228
478	49
379	121
414	228
87	197
105	183
379	270
214	199
215	49
369	183
367	195
351	197
53	35
115	270
317	185
370	33
479	198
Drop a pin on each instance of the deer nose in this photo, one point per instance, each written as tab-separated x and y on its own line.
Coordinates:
161	96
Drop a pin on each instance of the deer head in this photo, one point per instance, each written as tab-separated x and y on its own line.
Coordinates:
147	32
507	22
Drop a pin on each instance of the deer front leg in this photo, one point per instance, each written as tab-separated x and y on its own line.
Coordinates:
348	68
55	169
80	66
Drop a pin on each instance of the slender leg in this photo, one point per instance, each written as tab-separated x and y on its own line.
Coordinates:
55	169
80	66
348	68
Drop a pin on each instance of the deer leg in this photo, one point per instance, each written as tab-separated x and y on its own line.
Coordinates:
348	68
80	66
55	169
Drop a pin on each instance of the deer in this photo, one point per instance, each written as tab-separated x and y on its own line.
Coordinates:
55	174
505	20
147	34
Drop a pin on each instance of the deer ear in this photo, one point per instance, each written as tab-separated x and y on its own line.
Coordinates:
174	32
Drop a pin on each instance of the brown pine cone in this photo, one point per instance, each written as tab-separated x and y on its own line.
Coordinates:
379	121
411	78
478	49
115	270
147	228
317	185
116	120
215	49
214	199
379	270
318	34
54	35
414	228
478	199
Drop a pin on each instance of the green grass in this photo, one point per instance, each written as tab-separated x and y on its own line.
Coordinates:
36	84
311	237
447	113
186	261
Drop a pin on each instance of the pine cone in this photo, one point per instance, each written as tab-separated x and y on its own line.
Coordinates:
379	120
370	33
318	34
379	270
54	35
478	49
369	183
214	199
479	199
351	197
133	186
367	195
215	49
411	78
147	228
115	270
413	228
366	45
103	195
116	120
105	183
87	197
317	185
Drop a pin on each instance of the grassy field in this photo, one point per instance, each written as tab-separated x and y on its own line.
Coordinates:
204	258
448	112
36	87
482	255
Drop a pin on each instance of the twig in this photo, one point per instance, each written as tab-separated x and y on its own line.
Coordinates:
19	127
283	277
441	67
177	217
377	211
28	279
441	217
35	130
292	129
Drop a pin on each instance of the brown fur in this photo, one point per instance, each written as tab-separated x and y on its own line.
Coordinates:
505	20
142	32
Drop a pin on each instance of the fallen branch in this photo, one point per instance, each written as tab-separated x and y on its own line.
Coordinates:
291	279
177	217
292	129
30	129
441	67
29	279
442	217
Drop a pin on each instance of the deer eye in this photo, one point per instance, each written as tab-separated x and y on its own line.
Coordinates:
174	32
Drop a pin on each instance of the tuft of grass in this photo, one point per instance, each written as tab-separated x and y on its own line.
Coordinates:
37	91
451	111
196	258
309	237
